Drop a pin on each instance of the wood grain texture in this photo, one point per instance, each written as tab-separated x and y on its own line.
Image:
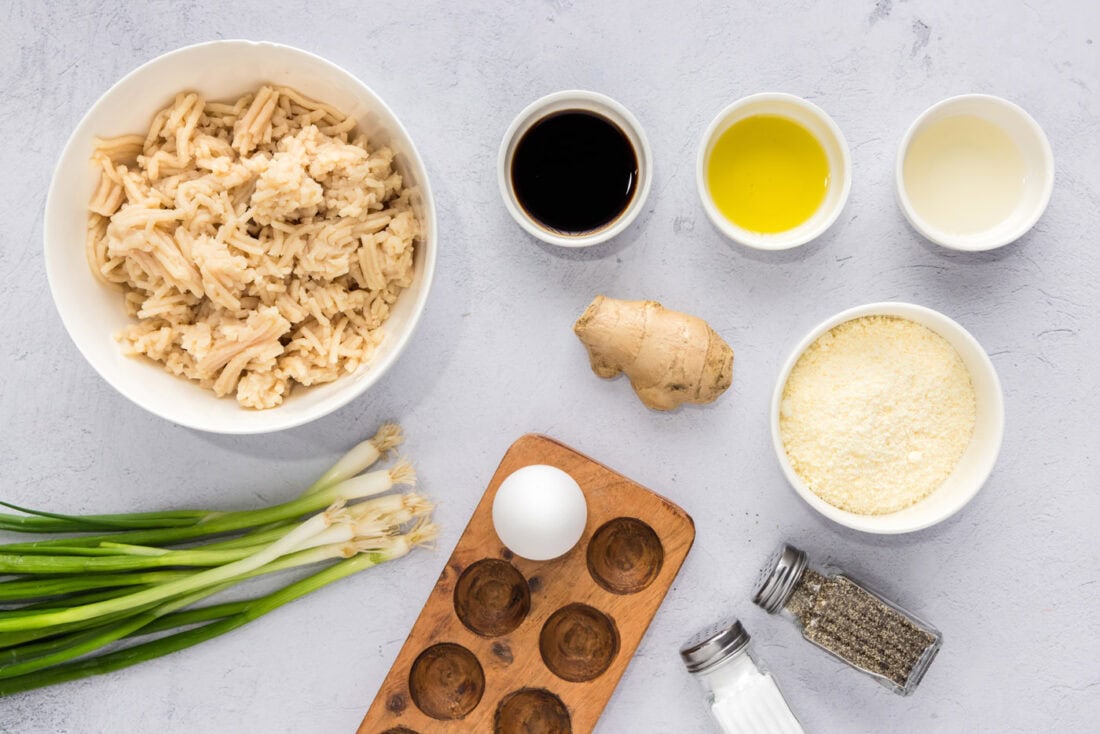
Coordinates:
512	661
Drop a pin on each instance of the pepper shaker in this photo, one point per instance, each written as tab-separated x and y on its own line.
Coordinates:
849	620
743	696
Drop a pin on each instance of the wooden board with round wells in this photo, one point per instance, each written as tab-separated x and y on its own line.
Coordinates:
509	644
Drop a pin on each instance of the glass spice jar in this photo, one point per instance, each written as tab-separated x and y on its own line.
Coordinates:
743	696
849	620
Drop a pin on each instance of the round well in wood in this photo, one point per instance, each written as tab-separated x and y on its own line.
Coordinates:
492	597
532	711
625	555
446	681
578	642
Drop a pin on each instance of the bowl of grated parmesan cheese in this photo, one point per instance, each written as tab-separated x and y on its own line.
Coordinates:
887	418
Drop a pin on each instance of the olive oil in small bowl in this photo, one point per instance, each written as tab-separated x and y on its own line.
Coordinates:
574	168
773	171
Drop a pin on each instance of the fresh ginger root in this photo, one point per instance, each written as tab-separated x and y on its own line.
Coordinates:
670	357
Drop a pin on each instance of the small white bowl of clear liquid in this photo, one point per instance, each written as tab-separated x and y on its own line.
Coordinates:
974	172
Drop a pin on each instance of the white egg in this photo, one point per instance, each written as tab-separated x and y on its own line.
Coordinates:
539	512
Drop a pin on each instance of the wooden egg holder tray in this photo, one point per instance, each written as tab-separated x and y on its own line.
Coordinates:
536	646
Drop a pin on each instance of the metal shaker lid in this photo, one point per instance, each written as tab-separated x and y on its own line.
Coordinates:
713	645
778	578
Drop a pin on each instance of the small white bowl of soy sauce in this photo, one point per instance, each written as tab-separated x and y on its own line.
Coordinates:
574	168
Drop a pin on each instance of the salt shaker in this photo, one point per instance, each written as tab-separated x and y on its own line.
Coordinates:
743	696
849	620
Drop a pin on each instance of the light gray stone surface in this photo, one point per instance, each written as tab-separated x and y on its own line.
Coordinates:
1011	581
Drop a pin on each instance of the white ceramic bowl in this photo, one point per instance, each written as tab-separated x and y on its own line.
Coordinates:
599	104
1038	162
822	127
93	313
978	459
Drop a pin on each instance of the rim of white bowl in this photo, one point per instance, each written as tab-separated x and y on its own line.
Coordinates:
974	243
275	422
887	524
589	101
801	234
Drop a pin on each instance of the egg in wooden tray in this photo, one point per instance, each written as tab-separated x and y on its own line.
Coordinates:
510	644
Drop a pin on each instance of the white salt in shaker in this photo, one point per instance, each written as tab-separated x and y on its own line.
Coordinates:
743	696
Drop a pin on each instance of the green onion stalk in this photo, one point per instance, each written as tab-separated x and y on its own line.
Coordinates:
355	461
67	664
78	606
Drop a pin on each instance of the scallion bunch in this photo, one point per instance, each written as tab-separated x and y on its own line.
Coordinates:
80	605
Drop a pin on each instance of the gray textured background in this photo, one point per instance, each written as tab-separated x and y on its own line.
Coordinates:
1011	580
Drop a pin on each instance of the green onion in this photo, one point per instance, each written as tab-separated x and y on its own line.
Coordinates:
288	543
22	661
134	654
388	437
302	558
73	601
37	589
357	460
219	523
48	522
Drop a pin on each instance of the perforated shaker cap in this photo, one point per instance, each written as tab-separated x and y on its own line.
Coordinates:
713	645
778	578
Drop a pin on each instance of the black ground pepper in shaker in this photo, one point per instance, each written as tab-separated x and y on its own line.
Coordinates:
849	620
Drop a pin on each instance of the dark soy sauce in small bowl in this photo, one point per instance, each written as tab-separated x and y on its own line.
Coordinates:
574	172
